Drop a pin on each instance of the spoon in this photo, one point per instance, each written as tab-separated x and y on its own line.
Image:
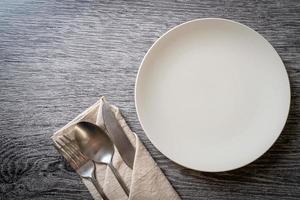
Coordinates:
97	146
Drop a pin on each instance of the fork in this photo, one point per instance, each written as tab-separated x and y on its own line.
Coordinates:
79	162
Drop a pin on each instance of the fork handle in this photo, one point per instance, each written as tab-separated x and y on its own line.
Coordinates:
99	188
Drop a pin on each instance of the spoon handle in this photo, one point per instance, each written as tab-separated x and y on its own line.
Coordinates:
99	188
120	180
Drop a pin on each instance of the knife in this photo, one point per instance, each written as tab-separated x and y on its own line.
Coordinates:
117	135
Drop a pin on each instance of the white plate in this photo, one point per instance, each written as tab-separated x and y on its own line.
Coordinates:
212	95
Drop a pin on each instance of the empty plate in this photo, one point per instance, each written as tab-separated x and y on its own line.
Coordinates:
212	94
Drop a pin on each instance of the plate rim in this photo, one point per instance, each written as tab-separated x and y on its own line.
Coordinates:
204	19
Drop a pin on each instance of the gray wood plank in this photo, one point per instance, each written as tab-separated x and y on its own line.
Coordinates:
58	57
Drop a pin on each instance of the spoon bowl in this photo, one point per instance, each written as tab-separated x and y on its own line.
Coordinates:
97	146
94	142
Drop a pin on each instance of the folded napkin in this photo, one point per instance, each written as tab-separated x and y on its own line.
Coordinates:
145	180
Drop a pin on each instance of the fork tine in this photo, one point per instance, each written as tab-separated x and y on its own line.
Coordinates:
68	155
66	152
67	138
76	149
73	149
60	150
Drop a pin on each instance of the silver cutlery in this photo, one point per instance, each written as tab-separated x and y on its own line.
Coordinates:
79	162
97	146
117	135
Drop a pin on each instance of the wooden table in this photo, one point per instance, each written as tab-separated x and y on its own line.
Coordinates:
58	57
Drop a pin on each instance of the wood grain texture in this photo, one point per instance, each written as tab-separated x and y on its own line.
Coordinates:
58	57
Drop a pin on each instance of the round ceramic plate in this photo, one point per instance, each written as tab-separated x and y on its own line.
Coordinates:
212	95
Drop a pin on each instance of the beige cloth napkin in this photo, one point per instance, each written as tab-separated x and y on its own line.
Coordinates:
145	180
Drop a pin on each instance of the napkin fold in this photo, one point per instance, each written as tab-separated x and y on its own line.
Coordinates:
145	180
